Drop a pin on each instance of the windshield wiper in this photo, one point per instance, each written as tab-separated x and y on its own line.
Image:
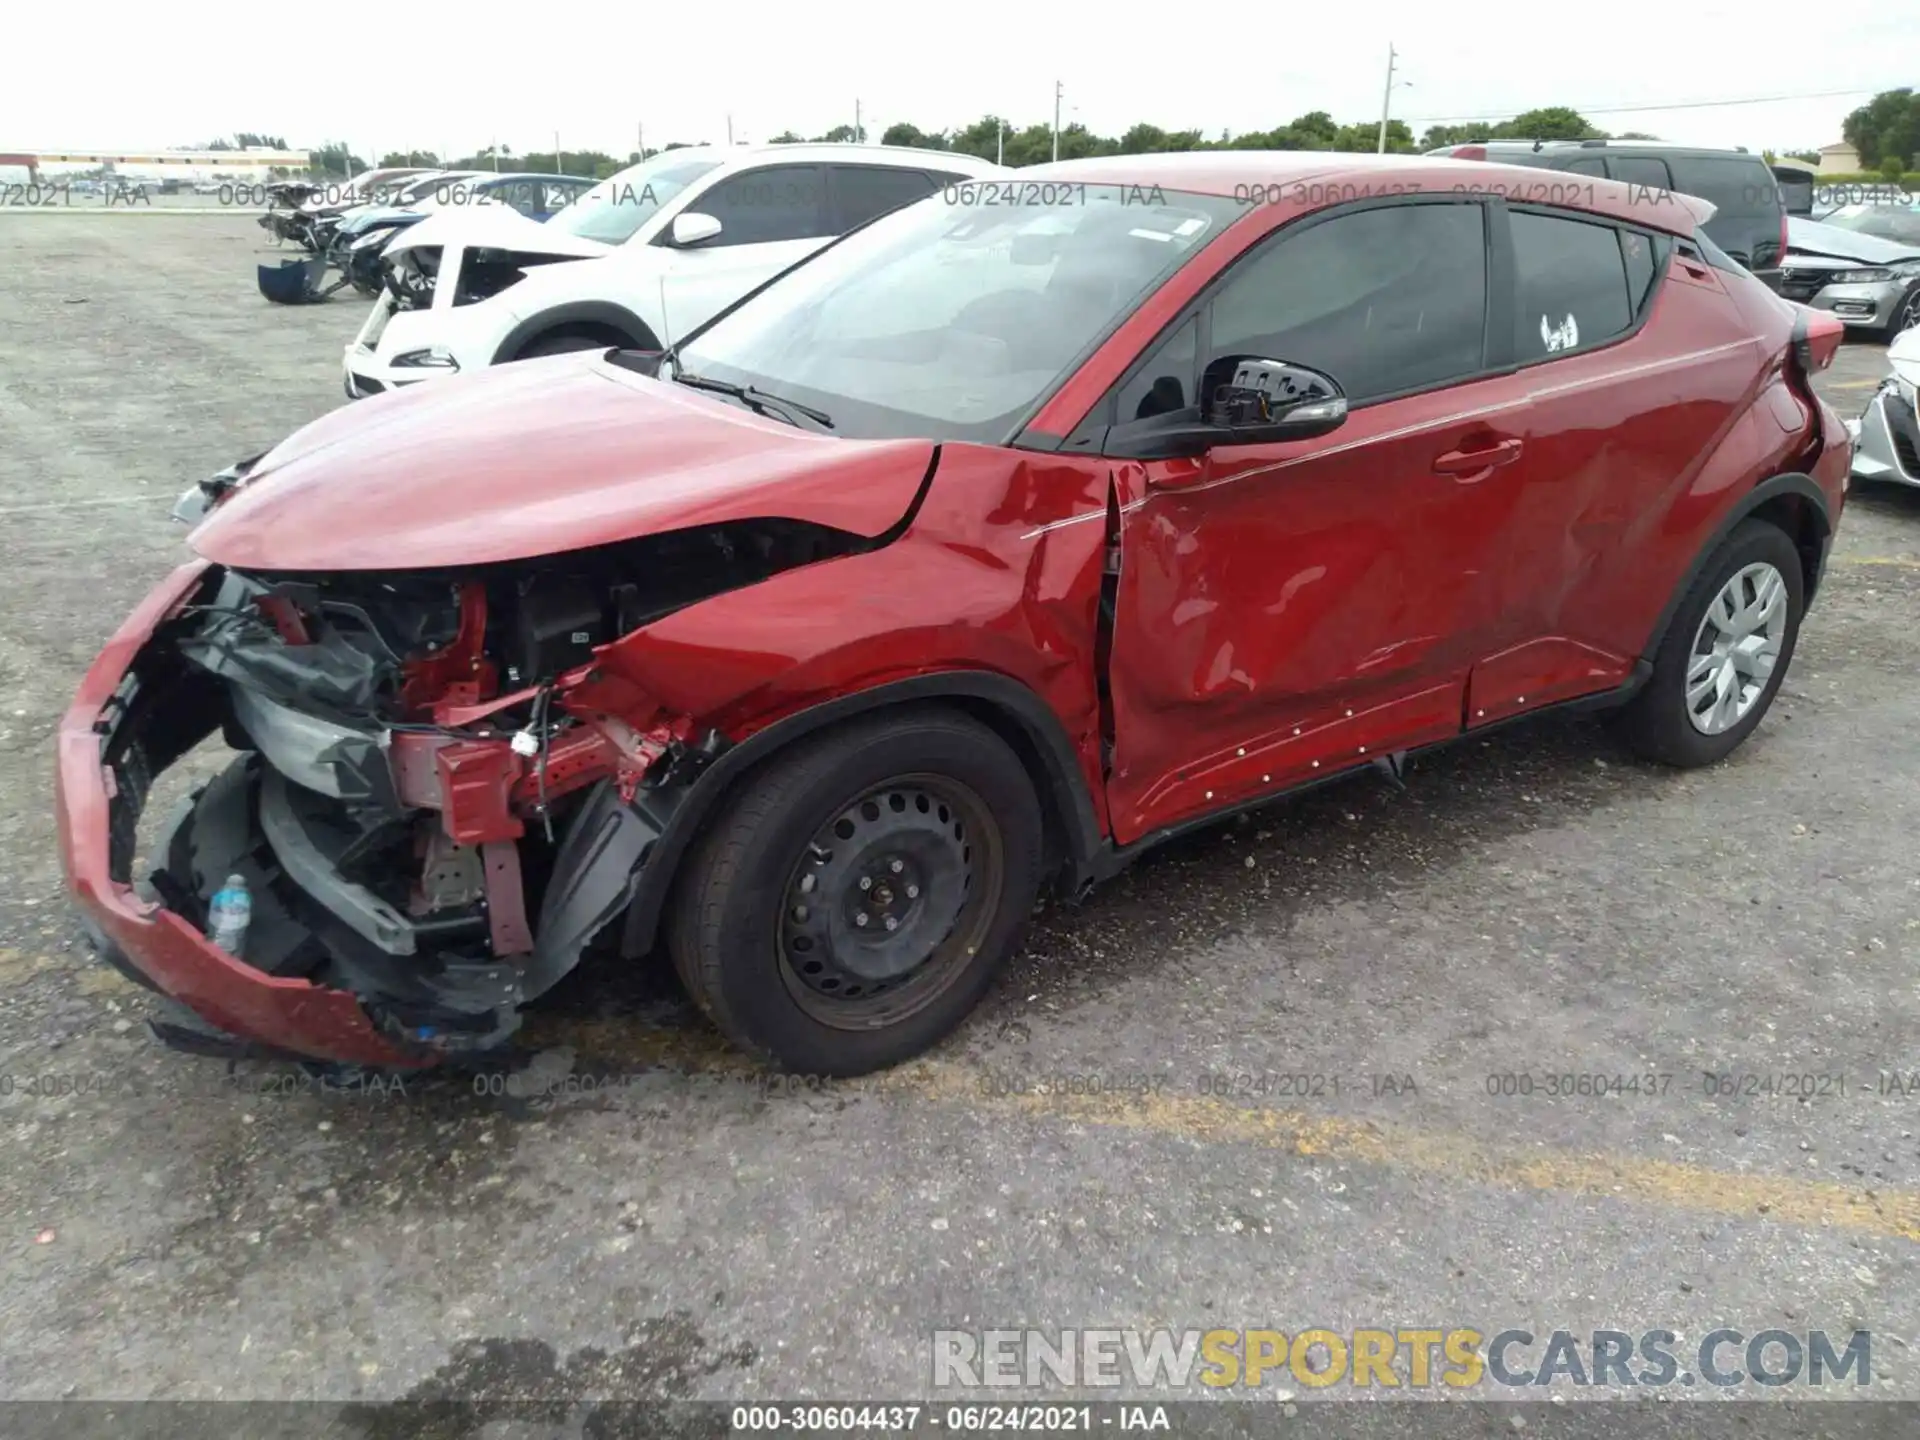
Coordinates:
759	399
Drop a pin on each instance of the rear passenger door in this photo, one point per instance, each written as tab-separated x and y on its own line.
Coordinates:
1607	444
770	217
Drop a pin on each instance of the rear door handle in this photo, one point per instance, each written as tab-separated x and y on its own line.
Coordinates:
1478	462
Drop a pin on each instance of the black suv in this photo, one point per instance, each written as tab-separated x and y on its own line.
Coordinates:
1750	215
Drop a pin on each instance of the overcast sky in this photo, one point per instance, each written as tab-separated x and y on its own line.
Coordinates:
453	77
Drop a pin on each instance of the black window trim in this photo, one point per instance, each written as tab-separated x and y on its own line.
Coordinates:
1090	436
1663	246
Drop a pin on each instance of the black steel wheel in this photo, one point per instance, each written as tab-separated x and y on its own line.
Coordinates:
854	897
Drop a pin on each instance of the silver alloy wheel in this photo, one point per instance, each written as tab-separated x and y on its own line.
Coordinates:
1735	648
1908	317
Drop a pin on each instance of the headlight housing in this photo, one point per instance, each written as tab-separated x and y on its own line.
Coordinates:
372	240
1871	276
434	357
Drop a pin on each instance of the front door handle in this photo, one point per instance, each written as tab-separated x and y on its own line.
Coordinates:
1479	462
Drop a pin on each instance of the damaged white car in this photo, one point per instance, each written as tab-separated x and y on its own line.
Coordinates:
679	238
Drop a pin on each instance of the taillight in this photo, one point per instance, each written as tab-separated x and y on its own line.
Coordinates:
1816	338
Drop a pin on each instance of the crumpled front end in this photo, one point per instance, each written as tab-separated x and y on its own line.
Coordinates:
1887	435
437	798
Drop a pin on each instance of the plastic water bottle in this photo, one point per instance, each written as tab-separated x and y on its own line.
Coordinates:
227	917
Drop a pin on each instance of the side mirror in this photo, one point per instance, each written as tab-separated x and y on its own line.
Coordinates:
1249	401
690	227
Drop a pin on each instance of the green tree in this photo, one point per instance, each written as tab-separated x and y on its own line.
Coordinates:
247	140
902	133
1888	124
1812	157
1893	166
1555	122
841	135
424	158
785	137
335	160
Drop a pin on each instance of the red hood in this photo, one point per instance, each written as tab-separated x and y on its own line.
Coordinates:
539	458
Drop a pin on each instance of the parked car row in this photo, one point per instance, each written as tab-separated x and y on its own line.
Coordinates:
881	563
348	232
671	241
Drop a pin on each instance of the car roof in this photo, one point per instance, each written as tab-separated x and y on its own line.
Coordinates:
1605	145
1331	177
842	152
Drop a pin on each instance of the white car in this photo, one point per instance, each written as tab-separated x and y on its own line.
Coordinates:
637	262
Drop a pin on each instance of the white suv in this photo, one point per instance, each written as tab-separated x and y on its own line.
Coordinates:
639	261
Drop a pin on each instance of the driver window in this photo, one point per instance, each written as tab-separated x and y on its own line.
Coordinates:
765	206
1385	300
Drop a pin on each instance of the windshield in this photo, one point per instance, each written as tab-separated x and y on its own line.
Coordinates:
1886	222
952	317
615	208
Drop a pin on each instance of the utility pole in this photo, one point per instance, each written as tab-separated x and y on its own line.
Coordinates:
640	138
858	133
559	165
496	154
729	130
1386	98
1000	145
1057	88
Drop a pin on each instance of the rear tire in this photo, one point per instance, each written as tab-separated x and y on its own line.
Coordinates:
1724	654
852	901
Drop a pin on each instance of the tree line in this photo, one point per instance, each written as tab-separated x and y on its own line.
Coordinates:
1886	132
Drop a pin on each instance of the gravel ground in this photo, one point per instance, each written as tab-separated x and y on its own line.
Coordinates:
1535	903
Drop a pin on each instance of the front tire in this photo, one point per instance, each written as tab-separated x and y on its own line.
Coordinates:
854	899
1725	652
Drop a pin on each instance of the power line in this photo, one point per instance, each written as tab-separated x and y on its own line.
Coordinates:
1678	105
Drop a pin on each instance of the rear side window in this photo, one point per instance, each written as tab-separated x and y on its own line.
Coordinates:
1588	165
1572	286
1644	170
864	192
1746	199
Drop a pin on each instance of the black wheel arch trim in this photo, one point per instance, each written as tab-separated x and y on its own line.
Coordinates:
576	312
1792	484
679	812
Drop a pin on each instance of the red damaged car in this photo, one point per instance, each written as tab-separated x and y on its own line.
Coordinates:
1002	539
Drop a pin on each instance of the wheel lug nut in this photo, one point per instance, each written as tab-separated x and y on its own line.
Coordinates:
866	882
860	920
913	892
897	867
892	924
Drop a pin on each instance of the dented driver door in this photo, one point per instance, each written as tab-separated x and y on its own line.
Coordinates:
1287	611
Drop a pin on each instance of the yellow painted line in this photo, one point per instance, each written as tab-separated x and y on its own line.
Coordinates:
1208	1120
1851	385
1456	1157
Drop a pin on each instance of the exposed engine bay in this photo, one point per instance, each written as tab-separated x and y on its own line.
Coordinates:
413	274
440	796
